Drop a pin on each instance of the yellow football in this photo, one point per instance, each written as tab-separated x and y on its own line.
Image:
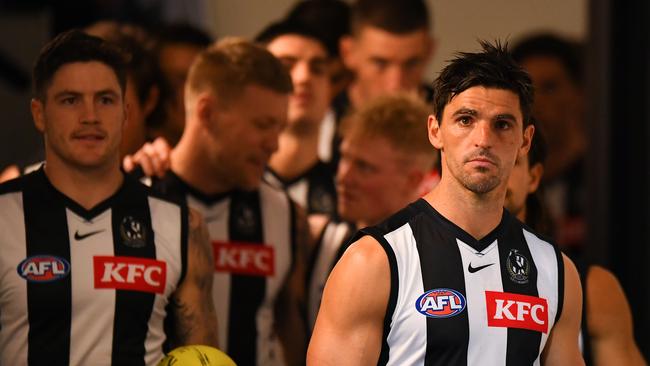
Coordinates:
196	356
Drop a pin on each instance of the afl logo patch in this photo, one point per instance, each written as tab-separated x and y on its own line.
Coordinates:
133	233
43	268
518	267
441	303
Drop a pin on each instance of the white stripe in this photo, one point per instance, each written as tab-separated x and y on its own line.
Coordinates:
407	339
298	192
333	238
546	261
487	345
276	219
14	325
93	311
216	218
166	225
326	136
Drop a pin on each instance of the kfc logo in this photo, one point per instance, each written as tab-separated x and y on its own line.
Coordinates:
130	273
244	258
516	311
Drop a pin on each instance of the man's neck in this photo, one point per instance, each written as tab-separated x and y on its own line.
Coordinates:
297	153
476	214
188	162
86	186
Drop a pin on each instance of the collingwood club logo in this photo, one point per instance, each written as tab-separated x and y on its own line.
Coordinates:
133	232
518	267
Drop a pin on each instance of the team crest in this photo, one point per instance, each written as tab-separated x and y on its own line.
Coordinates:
133	232
245	219
518	267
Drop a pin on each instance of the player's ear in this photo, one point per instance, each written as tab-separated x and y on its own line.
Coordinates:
535	173
37	107
433	128
529	131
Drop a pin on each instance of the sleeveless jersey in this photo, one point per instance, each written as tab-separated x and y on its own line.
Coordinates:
314	190
329	248
456	300
252	238
86	287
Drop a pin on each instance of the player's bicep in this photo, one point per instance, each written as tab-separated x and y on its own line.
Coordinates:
352	311
562	345
194	313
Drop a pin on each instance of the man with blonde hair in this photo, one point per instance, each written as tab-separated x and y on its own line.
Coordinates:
236	99
385	157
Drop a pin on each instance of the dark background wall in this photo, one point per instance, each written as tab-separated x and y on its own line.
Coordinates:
619	161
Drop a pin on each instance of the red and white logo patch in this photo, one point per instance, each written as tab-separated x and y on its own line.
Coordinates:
244	258
130	273
510	310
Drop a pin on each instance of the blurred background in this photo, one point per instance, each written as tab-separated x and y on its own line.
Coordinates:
615	35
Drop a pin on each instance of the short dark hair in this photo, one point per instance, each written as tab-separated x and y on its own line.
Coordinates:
75	46
567	52
329	18
183	33
398	17
491	68
284	27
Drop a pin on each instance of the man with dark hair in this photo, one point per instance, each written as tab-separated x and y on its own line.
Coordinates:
555	67
607	337
297	166
454	279
94	265
236	99
388	48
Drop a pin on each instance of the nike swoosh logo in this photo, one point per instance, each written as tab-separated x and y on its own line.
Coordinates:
476	269
78	236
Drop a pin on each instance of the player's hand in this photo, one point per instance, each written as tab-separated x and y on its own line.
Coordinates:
153	158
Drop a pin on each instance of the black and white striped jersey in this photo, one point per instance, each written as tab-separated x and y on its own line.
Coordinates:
314	190
456	300
252	238
86	287
328	251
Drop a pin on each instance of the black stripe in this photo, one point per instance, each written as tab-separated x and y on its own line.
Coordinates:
132	308
246	292
442	267
560	284
523	344
394	290
48	303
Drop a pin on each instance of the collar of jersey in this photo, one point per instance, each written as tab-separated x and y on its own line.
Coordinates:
478	244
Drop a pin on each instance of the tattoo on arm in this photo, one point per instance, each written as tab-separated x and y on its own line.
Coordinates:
195	316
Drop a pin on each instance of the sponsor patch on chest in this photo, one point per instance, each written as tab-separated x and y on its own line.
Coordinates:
440	303
43	268
244	258
130	273
510	310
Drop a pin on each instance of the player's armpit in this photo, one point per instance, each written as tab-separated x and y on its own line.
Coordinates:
562	344
192	306
349	326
